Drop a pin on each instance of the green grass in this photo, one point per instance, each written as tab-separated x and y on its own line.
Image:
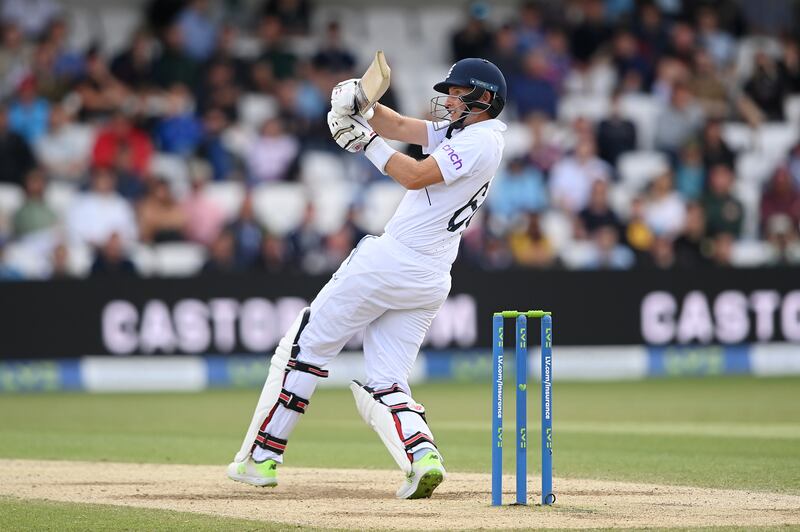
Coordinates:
58	516
729	432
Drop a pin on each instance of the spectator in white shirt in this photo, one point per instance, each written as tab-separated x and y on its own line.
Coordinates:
272	155
100	212
664	211
66	149
571	178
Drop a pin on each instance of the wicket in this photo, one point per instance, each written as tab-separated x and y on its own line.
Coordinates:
521	359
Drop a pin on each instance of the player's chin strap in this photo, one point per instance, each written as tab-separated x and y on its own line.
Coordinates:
474	106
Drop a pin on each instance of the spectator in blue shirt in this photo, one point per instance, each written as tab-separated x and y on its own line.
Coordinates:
29	114
532	91
179	132
199	30
518	189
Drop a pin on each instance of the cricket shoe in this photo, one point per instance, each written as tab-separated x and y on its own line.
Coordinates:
426	475
261	474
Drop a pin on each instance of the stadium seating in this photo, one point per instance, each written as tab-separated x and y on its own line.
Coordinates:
280	206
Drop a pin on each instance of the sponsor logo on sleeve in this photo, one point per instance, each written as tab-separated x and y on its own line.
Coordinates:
454	157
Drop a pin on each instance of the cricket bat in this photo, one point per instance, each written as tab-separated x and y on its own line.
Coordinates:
373	84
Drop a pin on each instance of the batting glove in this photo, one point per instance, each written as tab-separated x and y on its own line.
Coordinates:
343	99
352	133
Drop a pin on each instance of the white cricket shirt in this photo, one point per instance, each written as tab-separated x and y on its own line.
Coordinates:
430	221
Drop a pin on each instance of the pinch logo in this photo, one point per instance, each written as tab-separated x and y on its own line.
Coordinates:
454	157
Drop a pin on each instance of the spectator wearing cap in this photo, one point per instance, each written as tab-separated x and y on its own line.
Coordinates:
28	113
65	150
16	158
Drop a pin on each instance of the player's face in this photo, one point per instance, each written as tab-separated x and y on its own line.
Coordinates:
453	103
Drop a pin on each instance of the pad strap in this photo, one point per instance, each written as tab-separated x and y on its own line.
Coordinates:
405	407
292	401
270	443
415	439
394	388
296	365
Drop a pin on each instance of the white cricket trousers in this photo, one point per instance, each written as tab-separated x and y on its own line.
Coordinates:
390	292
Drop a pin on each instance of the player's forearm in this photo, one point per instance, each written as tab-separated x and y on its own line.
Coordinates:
410	173
390	124
385	121
405	170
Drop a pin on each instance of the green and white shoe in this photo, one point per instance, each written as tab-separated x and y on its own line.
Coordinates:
261	474
426	475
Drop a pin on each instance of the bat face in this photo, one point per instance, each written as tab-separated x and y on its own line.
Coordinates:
373	83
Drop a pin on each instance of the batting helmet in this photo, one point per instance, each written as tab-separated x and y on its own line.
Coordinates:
481	74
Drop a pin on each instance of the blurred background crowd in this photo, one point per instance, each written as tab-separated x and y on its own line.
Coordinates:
169	138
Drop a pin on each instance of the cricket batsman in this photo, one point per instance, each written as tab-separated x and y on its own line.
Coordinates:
391	286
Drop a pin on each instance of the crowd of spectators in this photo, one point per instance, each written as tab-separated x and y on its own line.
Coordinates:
104	126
